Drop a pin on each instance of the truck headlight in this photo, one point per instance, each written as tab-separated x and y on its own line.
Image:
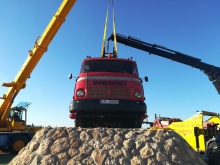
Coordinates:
138	95
80	93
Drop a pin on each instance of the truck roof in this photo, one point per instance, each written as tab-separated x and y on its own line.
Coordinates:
107	58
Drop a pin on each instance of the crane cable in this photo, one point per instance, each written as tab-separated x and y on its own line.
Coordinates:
115	53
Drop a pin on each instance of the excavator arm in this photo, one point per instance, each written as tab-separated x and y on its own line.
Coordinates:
211	71
34	56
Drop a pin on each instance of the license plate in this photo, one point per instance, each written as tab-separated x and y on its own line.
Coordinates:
109	101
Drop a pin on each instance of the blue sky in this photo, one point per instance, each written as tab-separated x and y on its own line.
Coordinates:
173	90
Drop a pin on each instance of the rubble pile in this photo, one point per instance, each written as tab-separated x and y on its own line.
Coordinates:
106	146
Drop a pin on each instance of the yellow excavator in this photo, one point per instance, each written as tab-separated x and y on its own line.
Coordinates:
14	133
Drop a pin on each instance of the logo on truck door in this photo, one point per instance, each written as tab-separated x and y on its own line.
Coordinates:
115	83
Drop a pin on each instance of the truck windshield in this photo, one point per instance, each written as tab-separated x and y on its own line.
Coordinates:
109	66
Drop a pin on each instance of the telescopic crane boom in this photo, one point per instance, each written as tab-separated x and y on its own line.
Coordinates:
33	58
211	71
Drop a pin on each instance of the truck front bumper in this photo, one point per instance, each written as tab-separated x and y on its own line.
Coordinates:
96	106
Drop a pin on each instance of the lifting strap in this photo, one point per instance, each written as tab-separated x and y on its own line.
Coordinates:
115	53
104	35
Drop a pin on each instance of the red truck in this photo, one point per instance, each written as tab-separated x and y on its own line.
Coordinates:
108	93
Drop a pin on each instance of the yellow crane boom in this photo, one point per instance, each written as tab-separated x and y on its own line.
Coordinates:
33	58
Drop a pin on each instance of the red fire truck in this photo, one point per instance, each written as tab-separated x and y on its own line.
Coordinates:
108	93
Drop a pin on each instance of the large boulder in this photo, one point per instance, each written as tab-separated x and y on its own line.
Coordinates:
106	146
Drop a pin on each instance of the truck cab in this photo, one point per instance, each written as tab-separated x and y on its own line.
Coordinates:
108	93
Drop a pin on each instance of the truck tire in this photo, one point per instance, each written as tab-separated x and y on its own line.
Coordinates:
16	143
78	122
211	153
212	145
133	123
138	123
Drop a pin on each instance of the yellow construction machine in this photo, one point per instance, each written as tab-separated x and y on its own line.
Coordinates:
14	133
197	130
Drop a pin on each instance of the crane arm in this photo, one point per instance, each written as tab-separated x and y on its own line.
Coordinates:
211	71
33	58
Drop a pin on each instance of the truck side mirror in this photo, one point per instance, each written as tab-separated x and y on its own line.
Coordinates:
70	76
146	79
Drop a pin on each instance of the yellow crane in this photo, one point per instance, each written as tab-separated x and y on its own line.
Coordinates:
7	122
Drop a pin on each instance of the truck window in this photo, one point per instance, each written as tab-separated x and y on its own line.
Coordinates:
109	66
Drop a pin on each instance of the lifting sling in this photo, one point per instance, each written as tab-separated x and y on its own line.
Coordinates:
115	51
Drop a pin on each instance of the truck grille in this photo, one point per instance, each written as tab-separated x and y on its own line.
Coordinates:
108	93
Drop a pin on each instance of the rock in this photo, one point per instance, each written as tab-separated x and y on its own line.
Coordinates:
105	146
98	158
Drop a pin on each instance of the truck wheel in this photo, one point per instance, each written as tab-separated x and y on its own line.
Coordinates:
138	123
131	124
78	122
212	146
17	143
